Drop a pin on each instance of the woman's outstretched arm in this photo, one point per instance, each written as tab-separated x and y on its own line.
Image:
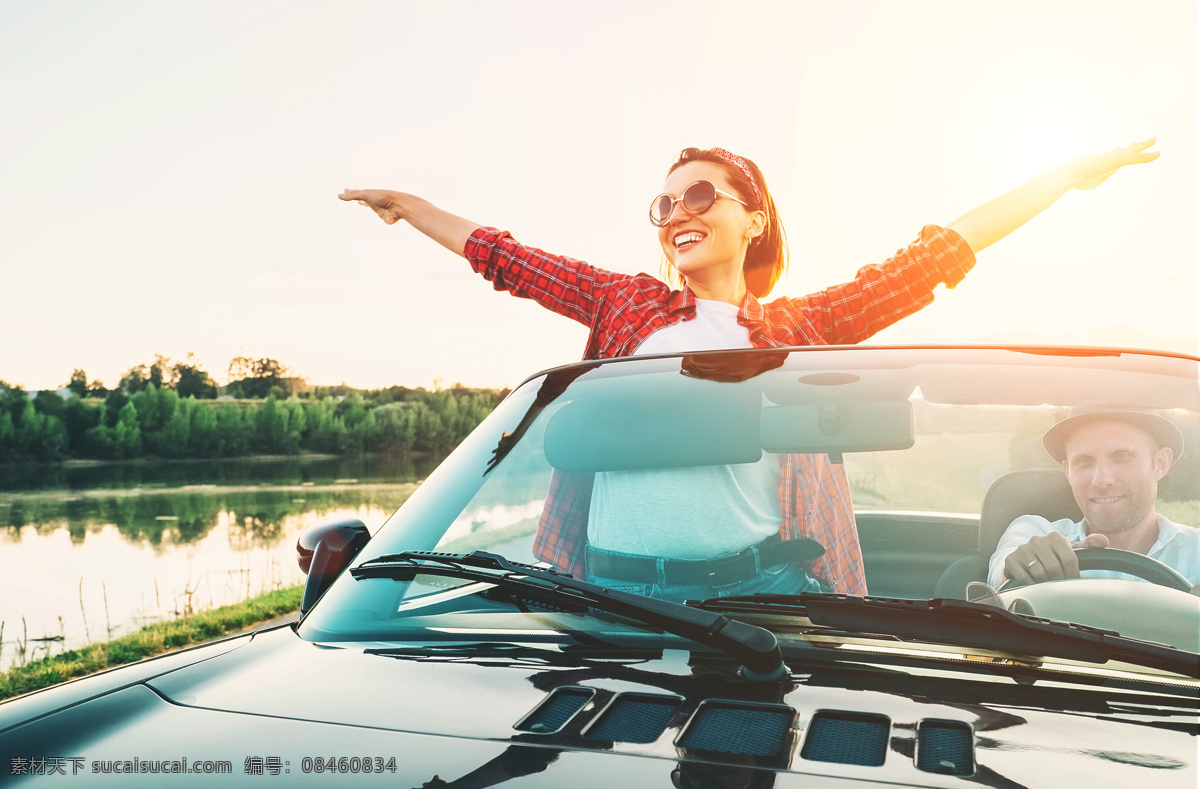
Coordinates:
992	221
443	227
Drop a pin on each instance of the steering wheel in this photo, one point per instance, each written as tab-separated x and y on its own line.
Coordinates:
1129	562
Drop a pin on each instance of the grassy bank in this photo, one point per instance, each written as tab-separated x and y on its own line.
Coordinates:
150	640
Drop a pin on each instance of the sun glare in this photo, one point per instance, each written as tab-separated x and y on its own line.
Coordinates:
1046	123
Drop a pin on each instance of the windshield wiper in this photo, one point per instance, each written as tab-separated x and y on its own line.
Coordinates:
755	648
959	623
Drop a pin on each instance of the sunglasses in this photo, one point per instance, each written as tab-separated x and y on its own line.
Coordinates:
696	199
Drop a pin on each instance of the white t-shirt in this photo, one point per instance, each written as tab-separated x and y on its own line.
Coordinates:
686	513
1177	546
715	327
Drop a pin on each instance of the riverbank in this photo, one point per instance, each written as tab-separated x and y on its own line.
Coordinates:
399	489
70	478
153	639
148	461
303	456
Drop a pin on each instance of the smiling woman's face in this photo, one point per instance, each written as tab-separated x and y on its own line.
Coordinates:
713	244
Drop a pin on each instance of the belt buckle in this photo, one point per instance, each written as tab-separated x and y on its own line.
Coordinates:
720	587
732	563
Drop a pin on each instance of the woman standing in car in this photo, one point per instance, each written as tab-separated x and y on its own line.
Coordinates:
725	247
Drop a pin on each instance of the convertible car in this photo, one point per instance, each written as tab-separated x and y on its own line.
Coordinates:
485	634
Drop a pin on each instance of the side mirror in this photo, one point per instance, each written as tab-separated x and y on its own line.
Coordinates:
323	550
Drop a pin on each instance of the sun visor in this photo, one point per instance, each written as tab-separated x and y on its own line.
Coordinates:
836	427
682	424
1168	383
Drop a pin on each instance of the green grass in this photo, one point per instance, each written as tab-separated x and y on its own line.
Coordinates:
151	640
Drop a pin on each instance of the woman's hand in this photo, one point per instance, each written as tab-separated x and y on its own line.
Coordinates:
1088	172
983	226
384	202
443	227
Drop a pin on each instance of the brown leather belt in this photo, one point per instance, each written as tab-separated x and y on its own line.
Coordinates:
721	571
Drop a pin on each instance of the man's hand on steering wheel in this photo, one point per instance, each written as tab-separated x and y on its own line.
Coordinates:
1048	558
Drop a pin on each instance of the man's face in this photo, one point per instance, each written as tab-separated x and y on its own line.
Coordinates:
1114	468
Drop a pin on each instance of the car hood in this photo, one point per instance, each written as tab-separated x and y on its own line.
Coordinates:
509	712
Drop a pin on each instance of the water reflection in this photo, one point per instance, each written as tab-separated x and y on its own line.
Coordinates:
187	514
147	543
86	475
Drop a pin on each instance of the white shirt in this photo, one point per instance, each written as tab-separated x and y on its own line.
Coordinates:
686	513
1177	546
715	327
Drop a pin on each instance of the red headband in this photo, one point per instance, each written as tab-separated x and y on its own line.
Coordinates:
740	163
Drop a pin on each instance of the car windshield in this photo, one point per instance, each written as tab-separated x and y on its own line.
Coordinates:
907	465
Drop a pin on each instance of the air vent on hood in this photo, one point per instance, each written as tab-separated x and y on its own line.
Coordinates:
555	710
634	717
945	747
847	738
734	727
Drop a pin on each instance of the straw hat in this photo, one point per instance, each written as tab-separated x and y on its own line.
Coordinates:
1163	430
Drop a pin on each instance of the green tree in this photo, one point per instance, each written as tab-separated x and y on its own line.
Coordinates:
135	379
78	383
127	435
190	381
12	400
38	436
28	426
50	403
113	404
99	442
79	418
480	405
364	436
155	407
444	403
173	441
297	424
297	416
431	433
203	440
158	371
256	377
396	425
351	409
326	432
8	444
319	416
270	426
232	433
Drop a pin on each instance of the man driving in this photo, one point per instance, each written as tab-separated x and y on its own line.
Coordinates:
1113	460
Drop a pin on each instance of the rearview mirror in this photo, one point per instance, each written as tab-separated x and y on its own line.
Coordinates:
838	427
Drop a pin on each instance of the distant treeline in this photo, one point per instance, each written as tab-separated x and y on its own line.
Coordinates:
158	422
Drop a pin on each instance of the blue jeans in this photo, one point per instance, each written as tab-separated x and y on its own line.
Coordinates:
780	579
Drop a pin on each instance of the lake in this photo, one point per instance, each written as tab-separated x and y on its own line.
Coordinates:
93	551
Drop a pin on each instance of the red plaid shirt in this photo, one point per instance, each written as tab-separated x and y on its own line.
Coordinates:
622	311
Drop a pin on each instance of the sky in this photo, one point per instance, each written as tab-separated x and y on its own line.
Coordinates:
169	172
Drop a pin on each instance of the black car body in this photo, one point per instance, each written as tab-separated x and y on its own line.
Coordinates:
447	655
